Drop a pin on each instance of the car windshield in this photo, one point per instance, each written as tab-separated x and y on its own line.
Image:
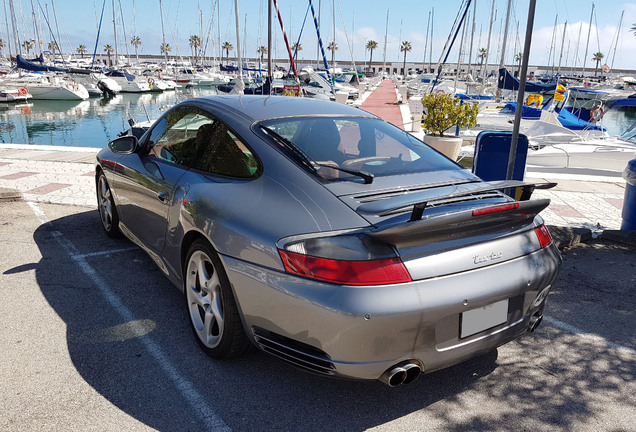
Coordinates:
359	144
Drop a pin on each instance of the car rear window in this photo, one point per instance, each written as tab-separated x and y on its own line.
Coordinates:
357	143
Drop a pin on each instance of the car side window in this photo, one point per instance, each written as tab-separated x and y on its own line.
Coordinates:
199	141
173	139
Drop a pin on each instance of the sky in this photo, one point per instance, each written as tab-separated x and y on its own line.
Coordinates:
356	23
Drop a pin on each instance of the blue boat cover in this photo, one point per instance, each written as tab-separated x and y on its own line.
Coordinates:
527	111
118	73
630	101
508	82
572	122
22	63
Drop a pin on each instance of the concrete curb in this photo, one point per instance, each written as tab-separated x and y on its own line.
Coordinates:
8	195
565	237
625	237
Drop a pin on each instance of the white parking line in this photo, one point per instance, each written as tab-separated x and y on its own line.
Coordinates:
106	252
588	336
203	410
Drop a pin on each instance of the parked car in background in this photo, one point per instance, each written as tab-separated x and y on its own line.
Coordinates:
327	237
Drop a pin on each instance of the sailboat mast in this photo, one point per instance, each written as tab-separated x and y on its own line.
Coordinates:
503	45
576	52
587	45
565	26
35	26
18	48
430	56
492	20
618	32
472	36
333	52
238	41
459	58
386	31
428	24
163	35
270	70
291	56
115	31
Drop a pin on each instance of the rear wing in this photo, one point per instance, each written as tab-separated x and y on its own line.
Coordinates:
421	200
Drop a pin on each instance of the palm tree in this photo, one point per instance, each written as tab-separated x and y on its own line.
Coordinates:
108	49
518	58
165	48
28	45
483	53
195	43
52	46
333	47
371	45
406	47
296	47
227	47
81	50
136	41
262	50
597	57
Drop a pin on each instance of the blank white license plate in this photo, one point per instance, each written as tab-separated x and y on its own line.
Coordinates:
480	319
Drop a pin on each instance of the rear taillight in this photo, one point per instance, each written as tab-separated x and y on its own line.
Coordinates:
369	272
543	235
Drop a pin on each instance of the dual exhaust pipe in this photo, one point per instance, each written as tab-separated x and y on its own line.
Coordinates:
404	374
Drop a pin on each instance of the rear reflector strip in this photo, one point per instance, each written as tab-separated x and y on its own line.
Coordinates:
511	206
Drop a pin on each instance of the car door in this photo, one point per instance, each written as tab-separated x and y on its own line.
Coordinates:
149	181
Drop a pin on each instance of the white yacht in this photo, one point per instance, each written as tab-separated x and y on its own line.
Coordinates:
48	87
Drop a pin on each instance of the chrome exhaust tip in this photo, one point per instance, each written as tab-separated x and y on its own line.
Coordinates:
413	371
534	322
394	377
404	373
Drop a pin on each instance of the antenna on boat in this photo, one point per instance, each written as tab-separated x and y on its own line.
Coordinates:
146	111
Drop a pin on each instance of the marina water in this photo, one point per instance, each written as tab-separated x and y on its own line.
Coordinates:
94	122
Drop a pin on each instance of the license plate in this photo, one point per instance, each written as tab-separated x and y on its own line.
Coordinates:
480	319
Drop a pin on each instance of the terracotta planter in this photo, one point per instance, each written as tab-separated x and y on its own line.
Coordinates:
449	146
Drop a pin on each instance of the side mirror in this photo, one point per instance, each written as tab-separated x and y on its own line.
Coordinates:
124	145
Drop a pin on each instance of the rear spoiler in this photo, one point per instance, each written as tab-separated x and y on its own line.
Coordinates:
465	223
420	200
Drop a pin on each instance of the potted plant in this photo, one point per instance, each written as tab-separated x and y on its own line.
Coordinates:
443	111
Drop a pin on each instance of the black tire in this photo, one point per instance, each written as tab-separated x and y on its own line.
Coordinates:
107	209
214	317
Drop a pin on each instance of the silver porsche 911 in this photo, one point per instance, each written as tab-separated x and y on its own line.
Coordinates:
327	237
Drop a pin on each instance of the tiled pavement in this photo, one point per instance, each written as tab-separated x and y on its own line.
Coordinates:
42	174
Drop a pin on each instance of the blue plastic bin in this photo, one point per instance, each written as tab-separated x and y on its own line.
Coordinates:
629	202
492	149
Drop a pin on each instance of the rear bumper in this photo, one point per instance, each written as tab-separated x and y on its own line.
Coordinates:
360	332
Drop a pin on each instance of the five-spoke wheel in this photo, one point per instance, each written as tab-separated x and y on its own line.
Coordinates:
211	306
106	206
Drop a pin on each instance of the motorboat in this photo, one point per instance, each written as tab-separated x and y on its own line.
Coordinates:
48	87
554	146
13	94
129	83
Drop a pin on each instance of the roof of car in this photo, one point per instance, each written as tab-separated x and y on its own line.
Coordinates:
267	107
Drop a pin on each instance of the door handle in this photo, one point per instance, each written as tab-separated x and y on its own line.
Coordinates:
163	197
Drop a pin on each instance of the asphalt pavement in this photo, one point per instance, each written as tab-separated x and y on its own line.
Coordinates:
95	338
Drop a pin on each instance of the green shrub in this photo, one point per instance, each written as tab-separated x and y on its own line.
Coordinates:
443	111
